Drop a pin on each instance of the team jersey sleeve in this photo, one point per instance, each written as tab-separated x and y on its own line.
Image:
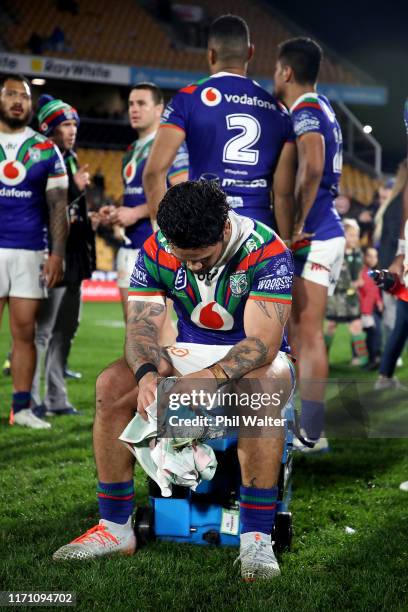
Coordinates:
175	114
273	274
57	172
307	117
145	283
288	132
180	163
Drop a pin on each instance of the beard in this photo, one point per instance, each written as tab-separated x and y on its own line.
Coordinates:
14	122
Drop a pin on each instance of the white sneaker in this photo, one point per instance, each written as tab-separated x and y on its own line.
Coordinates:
106	538
320	446
383	383
257	557
27	418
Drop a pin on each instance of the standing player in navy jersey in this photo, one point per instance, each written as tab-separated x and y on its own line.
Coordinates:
33	190
318	237
235	132
145	109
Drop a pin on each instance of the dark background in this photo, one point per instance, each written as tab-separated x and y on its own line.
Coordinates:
374	37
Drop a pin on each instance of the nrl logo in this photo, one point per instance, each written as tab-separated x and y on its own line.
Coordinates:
238	283
180	282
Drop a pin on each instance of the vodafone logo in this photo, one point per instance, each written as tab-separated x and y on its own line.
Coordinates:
129	172
212	316
12	172
211	96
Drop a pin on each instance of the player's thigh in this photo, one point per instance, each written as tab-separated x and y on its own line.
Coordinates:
276	380
125	262
23	312
25	269
309	303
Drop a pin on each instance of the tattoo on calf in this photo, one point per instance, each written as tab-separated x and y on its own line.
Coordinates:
142	333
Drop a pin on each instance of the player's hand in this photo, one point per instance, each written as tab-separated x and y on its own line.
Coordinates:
104	214
147	393
53	271
82	177
95	219
124	215
397	266
299	236
198	389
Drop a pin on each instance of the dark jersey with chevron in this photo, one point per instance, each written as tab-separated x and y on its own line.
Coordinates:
235	132
210	307
29	165
133	165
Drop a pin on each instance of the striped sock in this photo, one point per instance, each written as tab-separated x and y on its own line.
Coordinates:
21	400
115	500
257	509
360	347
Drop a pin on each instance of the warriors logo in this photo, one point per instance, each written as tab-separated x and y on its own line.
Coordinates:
238	284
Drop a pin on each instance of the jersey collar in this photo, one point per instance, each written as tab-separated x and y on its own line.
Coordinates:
142	141
241	229
302	97
230	74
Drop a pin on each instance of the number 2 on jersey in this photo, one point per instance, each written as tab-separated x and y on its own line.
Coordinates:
237	150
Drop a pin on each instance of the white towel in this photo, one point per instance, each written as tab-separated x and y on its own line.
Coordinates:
168	461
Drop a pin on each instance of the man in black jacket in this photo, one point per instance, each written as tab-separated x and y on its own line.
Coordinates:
59	315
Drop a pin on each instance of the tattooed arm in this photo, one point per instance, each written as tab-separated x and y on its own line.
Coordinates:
57	200
264	324
144	322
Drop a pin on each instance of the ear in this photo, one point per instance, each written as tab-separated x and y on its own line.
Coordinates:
159	110
211	57
287	74
251	51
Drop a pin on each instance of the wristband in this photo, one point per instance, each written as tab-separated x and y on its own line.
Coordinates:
220	374
401	247
144	369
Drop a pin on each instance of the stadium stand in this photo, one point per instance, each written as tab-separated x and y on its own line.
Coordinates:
110	164
354	182
124	32
358	185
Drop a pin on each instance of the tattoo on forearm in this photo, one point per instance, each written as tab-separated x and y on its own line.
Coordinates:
244	357
58	219
142	333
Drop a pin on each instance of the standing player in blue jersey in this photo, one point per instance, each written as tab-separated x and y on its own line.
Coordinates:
318	237
235	131
33	191
145	108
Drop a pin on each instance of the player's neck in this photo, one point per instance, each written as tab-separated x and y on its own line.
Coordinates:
6	129
142	133
296	92
238	70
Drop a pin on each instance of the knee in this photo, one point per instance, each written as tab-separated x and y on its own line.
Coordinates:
115	382
106	384
23	333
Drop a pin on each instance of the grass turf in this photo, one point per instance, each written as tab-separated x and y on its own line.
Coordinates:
47	497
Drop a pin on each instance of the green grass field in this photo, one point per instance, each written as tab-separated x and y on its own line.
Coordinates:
48	497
